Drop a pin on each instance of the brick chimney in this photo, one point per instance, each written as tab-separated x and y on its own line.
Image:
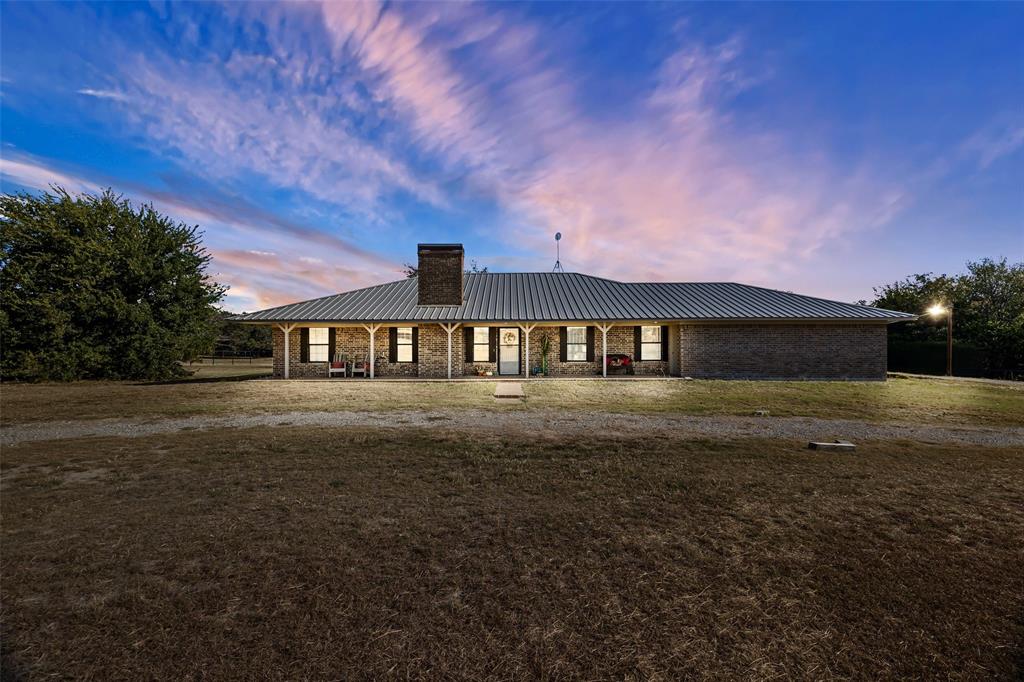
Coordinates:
440	274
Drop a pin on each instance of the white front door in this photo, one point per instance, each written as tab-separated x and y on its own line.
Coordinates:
508	350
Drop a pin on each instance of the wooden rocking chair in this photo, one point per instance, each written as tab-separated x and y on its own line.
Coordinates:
361	367
339	365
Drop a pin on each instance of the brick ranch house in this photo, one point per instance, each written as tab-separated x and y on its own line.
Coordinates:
445	323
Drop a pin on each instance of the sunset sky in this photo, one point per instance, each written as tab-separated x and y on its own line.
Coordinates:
823	149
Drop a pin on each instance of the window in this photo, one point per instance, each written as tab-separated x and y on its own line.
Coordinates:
318	340
575	343
650	343
404	344
481	344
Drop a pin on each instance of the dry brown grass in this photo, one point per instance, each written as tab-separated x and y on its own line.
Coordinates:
227	369
927	401
286	553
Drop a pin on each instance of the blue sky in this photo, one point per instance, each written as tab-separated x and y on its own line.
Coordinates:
819	148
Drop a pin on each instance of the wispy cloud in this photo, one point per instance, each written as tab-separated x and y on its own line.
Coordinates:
995	141
673	179
104	94
681	186
27	172
287	116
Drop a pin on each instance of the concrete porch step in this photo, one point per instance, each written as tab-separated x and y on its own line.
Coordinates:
508	390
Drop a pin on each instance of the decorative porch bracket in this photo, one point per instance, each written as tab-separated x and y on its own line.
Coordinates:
449	328
372	328
287	329
527	328
604	347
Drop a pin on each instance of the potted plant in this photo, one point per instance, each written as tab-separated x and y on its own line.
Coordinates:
545	348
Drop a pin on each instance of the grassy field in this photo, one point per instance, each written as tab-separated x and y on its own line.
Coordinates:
903	400
308	553
296	553
226	369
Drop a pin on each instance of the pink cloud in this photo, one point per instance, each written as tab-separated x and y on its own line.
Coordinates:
677	180
267	279
284	116
418	77
27	172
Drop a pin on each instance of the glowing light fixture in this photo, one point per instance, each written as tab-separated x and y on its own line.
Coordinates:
935	311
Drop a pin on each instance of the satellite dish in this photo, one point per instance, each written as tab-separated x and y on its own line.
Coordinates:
558	236
558	255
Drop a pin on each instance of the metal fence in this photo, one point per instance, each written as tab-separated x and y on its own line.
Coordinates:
230	358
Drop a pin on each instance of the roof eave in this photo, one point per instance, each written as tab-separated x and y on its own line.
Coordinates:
620	321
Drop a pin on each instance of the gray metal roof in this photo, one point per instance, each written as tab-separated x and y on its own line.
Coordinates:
569	297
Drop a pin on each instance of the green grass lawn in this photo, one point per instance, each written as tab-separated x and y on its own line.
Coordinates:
326	553
929	401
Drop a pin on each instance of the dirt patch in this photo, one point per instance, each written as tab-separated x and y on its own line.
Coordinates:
85	476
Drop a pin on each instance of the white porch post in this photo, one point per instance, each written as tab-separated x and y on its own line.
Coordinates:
372	328
450	328
604	348
527	328
287	329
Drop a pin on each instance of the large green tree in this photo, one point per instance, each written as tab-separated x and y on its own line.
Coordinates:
94	288
988	316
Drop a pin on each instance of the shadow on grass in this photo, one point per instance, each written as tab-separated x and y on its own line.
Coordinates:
203	380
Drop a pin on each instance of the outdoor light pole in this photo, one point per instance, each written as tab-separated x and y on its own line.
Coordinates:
949	342
937	310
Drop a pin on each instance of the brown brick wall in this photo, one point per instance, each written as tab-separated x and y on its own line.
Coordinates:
296	369
352	340
709	351
620	340
783	351
433	352
439	276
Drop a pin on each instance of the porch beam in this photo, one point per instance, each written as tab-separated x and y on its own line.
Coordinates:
604	348
449	328
287	329
527	328
372	328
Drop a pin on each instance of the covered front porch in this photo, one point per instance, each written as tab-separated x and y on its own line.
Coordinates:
456	350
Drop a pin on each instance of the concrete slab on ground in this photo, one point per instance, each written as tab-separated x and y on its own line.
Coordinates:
508	390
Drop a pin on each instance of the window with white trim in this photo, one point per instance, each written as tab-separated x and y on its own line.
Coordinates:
318	344
403	344
481	344
650	343
575	344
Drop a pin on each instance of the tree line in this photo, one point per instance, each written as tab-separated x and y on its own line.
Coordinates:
987	300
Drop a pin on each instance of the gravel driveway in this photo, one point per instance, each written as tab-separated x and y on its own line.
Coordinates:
537	423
